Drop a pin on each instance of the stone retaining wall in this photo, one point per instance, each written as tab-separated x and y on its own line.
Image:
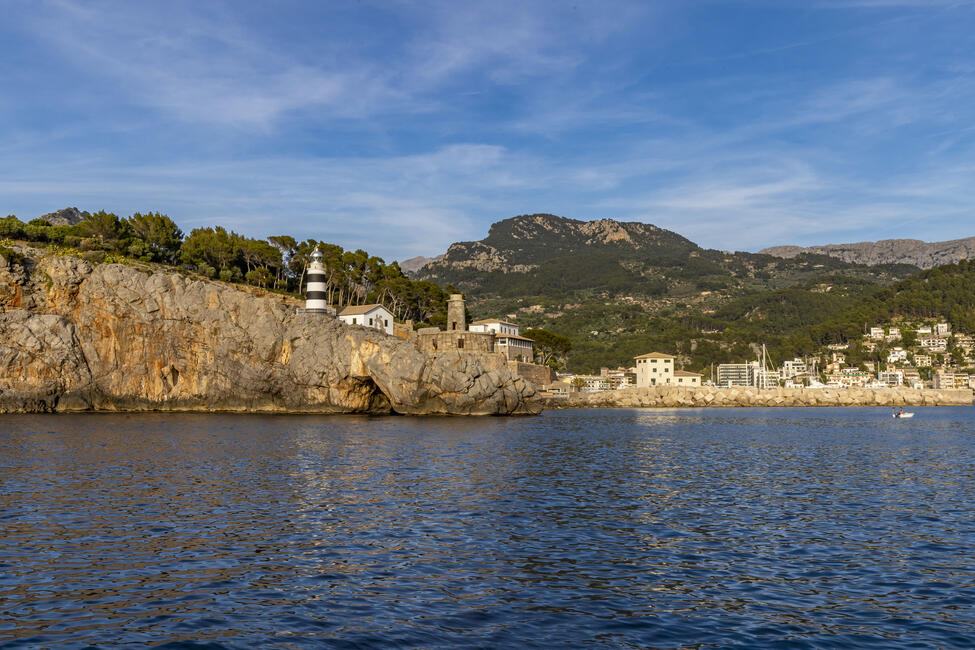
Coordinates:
696	397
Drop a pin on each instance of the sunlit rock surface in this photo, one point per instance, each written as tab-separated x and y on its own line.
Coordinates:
111	337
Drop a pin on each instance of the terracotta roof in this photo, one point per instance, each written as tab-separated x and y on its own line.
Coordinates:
514	336
359	310
485	321
655	355
686	373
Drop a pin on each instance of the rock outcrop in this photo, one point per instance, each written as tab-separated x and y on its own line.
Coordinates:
65	217
707	396
919	253
112	337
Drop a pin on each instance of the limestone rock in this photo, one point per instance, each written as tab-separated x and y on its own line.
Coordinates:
116	337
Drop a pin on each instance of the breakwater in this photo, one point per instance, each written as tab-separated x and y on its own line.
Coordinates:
709	396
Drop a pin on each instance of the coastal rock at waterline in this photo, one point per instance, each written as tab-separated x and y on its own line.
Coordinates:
113	337
708	396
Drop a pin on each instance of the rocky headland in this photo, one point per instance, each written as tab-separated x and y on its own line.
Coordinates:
76	336
709	396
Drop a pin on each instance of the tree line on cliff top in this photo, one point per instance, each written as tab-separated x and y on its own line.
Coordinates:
277	263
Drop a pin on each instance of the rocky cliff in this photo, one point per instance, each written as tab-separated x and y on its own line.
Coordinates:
112	337
918	253
705	396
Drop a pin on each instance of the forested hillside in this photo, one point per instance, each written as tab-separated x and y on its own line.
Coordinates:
621	289
277	263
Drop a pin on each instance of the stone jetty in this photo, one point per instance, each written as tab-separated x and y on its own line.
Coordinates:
707	396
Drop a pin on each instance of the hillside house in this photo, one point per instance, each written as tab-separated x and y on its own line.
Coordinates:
922	360
375	316
896	355
934	343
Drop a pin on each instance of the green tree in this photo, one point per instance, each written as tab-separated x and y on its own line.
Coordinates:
551	348
104	230
161	235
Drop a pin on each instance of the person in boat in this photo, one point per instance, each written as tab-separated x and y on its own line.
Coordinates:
900	413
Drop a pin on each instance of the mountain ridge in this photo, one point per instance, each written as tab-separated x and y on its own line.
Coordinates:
916	252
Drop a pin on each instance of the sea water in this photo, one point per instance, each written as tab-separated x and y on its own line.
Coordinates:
664	528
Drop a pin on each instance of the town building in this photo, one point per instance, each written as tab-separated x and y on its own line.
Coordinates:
891	378
877	333
922	360
942	329
794	368
896	355
923	330
375	316
514	347
934	343
654	369
687	378
495	325
619	378
735	374
894	334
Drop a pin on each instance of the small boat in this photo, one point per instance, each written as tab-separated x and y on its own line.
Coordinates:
902	414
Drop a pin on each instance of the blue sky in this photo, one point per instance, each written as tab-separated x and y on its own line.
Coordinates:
400	127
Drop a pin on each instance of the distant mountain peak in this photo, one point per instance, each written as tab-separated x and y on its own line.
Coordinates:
919	253
65	217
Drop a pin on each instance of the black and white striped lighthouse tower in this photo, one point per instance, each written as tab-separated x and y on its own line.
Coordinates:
315	290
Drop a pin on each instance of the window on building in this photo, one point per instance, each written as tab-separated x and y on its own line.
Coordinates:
370	322
460	344
353	321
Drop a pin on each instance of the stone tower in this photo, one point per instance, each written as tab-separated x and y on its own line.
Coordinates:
456	318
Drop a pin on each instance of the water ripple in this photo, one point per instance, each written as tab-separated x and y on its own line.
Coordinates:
624	528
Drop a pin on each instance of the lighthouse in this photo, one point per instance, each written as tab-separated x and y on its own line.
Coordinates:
315	290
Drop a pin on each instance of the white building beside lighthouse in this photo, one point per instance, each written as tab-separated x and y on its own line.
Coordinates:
315	296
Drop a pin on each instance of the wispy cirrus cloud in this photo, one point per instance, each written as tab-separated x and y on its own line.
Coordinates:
401	127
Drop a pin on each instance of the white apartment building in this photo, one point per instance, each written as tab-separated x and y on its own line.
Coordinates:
877	333
793	368
897	355
894	334
942	329
923	330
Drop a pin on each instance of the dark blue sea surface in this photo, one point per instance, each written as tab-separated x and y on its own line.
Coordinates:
633	528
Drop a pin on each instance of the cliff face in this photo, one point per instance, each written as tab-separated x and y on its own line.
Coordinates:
77	337
922	254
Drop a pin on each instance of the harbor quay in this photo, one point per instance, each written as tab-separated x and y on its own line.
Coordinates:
711	396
